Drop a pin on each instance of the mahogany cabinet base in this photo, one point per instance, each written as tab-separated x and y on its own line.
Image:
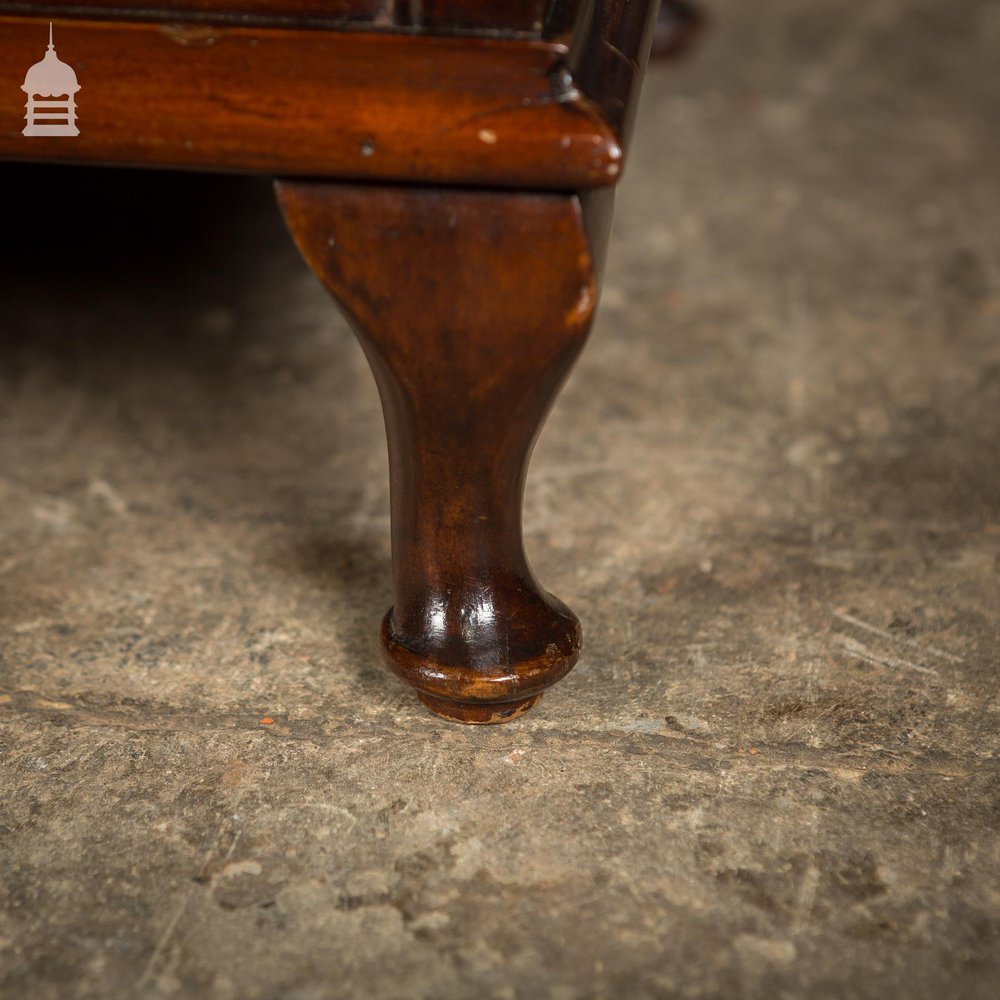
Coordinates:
471	307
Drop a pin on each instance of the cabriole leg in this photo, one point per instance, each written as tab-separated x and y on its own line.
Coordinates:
471	307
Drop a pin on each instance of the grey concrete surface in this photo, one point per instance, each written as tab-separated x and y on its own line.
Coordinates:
770	491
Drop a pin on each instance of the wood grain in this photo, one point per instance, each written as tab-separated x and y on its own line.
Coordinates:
299	102
510	17
361	10
458	15
471	308
609	50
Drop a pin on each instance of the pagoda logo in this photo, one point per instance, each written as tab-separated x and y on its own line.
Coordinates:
51	86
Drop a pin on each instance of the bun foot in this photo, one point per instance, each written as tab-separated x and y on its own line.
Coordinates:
478	713
489	679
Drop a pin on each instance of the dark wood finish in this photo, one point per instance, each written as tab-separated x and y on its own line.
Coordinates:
609	49
458	15
562	16
507	17
354	105
471	308
334	10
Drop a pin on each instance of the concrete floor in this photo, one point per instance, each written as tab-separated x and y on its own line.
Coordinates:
771	492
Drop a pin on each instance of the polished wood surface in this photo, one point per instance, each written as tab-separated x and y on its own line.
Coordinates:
459	15
392	106
609	49
506	17
305	102
471	308
337	11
